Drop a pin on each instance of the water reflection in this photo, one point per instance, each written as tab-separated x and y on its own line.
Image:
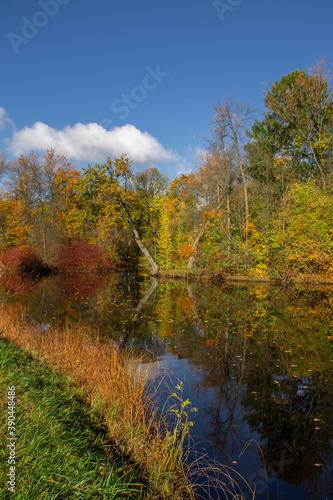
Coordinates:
257	362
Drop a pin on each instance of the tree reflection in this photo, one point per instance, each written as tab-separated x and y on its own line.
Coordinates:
261	356
258	371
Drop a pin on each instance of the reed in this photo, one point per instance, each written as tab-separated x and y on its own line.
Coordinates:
60	449
115	386
122	392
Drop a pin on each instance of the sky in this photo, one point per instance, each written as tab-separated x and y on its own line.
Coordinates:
98	78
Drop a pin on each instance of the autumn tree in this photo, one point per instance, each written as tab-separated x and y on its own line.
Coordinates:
169	217
108	188
150	183
271	167
150	188
3	204
298	122
230	123
39	189
3	163
304	244
213	182
188	220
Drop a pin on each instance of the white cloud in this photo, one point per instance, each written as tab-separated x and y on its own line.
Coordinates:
4	119
92	143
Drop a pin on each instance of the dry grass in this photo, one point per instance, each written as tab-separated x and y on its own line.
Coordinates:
114	385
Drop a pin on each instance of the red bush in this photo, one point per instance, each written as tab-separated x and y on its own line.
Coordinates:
22	260
81	257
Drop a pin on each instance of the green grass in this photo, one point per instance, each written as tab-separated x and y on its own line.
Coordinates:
61	447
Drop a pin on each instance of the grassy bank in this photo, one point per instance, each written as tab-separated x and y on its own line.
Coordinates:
217	277
114	390
61	449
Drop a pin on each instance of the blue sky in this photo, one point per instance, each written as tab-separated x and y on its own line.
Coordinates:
100	78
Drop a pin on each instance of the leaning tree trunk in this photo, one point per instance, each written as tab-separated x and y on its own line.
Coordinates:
140	243
194	248
196	242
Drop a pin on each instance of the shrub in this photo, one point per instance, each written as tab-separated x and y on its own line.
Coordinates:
81	257
22	260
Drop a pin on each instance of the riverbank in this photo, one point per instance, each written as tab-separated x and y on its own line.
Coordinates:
112	388
58	446
221	277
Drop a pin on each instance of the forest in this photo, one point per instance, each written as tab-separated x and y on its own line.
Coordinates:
258	202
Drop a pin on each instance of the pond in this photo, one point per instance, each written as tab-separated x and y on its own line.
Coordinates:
255	360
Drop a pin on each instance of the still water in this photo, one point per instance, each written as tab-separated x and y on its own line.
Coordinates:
255	360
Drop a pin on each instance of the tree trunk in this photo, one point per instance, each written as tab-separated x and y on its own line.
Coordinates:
144	300
194	307
194	248
196	243
228	223
43	233
246	199
140	243
322	176
137	311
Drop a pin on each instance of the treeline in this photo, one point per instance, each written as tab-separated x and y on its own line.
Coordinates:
259	201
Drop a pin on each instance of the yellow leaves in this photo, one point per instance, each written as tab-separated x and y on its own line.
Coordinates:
16	230
74	222
260	270
259	292
282	160
249	229
122	167
102	228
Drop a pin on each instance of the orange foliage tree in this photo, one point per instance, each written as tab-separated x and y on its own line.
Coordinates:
39	195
